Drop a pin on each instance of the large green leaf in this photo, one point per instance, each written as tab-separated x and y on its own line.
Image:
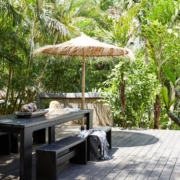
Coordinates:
164	93
170	75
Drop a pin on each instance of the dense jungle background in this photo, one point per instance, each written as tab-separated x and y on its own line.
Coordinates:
141	93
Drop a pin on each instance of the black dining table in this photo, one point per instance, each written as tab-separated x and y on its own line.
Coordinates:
25	126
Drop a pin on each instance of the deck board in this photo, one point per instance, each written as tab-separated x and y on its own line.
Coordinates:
136	154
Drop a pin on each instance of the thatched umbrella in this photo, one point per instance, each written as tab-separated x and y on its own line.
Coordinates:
84	46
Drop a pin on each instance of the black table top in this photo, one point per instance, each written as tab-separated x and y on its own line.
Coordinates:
16	122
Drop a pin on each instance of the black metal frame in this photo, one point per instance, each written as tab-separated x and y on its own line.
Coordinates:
26	126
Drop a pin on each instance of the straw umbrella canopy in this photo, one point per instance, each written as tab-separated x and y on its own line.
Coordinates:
84	46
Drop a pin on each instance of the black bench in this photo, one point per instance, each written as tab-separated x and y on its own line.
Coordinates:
48	157
93	143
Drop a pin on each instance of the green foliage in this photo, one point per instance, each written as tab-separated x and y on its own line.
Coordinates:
37	23
122	22
141	87
56	70
174	116
105	4
161	41
165	95
158	10
125	25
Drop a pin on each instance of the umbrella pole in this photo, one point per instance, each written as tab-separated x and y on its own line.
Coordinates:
83	89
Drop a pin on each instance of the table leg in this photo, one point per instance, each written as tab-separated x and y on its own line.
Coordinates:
26	154
89	117
51	134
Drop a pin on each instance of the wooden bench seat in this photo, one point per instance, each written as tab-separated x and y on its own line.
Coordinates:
48	157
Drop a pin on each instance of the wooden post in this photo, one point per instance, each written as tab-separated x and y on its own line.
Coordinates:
83	88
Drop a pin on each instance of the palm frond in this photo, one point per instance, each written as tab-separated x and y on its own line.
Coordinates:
56	26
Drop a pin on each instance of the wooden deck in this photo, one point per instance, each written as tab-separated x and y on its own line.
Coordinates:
141	155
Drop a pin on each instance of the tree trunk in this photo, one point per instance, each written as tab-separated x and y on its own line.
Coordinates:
122	97
157	111
175	118
171	96
8	90
177	93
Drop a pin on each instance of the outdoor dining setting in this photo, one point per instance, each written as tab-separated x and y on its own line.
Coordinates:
40	120
38	144
89	90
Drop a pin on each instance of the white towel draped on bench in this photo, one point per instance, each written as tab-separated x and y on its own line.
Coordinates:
103	141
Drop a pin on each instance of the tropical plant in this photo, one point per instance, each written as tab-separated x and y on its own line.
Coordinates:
14	63
18	33
141	86
167	101
158	30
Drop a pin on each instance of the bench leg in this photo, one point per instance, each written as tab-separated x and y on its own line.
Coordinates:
92	148
46	171
108	136
81	157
